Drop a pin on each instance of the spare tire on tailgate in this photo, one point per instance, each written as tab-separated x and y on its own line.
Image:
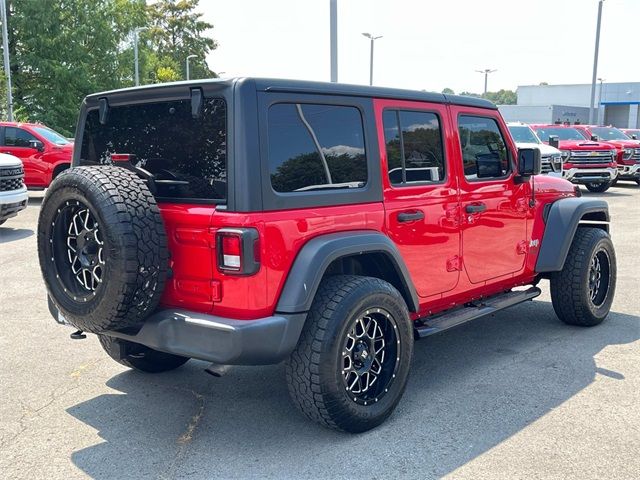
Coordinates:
103	248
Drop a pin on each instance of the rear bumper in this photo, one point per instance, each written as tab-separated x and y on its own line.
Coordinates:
590	175
221	340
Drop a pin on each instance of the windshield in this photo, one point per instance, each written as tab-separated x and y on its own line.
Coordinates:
186	155
608	133
562	133
53	137
523	134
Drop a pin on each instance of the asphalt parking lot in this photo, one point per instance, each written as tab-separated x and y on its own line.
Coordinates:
515	395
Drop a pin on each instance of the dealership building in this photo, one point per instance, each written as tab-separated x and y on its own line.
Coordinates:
617	104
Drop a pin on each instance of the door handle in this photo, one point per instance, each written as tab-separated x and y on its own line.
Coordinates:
410	216
475	208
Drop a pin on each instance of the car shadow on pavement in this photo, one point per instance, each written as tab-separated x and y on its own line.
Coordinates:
469	390
8	234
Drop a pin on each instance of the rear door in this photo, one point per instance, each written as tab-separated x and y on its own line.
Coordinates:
420	191
493	207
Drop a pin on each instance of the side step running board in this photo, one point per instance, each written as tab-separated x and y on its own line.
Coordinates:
477	309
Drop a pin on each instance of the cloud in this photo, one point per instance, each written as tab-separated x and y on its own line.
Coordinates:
338	150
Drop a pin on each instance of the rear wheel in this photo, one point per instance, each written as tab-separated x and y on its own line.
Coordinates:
351	364
140	357
638	181
582	293
598	187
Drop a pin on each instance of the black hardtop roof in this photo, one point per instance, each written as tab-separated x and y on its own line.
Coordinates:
319	88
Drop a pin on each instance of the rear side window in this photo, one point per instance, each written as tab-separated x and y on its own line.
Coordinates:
484	151
186	154
315	147
17	137
414	147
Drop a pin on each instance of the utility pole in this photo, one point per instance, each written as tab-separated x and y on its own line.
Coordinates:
7	66
595	63
601	80
333	34
486	73
373	39
189	58
136	36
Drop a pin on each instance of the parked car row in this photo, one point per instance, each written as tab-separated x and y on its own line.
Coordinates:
590	155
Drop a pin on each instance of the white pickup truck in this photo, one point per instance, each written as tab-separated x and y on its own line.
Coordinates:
13	192
525	137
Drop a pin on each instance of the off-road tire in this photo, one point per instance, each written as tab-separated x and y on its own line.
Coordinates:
140	357
2	221
134	248
314	369
598	187
570	293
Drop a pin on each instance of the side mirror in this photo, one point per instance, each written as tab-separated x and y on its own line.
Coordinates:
554	141
529	162
595	138
37	144
634	136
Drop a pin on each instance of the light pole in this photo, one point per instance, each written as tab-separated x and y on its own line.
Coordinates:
595	62
486	73
601	80
189	58
333	38
136	37
7	67
373	39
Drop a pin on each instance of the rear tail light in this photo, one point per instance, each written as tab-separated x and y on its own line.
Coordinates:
238	250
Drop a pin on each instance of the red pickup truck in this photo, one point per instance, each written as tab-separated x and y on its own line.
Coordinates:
44	152
628	150
592	164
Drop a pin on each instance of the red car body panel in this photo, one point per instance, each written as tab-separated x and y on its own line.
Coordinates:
39	166
452	256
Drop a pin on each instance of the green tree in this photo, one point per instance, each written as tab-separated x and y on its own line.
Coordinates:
448	91
178	31
62	51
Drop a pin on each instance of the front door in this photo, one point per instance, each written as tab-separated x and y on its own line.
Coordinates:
493	206
420	192
16	142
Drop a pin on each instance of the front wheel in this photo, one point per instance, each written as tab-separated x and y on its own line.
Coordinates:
140	357
582	293
351	365
598	187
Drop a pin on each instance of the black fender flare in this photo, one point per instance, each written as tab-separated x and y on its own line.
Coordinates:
562	221
318	253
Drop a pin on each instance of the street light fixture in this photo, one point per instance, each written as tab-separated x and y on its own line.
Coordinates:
486	73
373	39
136	37
595	62
189	58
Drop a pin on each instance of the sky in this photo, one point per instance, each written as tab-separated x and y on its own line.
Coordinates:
428	44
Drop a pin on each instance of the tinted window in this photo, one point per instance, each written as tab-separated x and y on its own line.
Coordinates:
484	151
315	147
414	147
187	155
17	137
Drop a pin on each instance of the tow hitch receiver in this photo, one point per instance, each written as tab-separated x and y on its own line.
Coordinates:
78	335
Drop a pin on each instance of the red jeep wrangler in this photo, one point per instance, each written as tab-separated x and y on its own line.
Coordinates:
592	164
628	150
252	221
44	152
